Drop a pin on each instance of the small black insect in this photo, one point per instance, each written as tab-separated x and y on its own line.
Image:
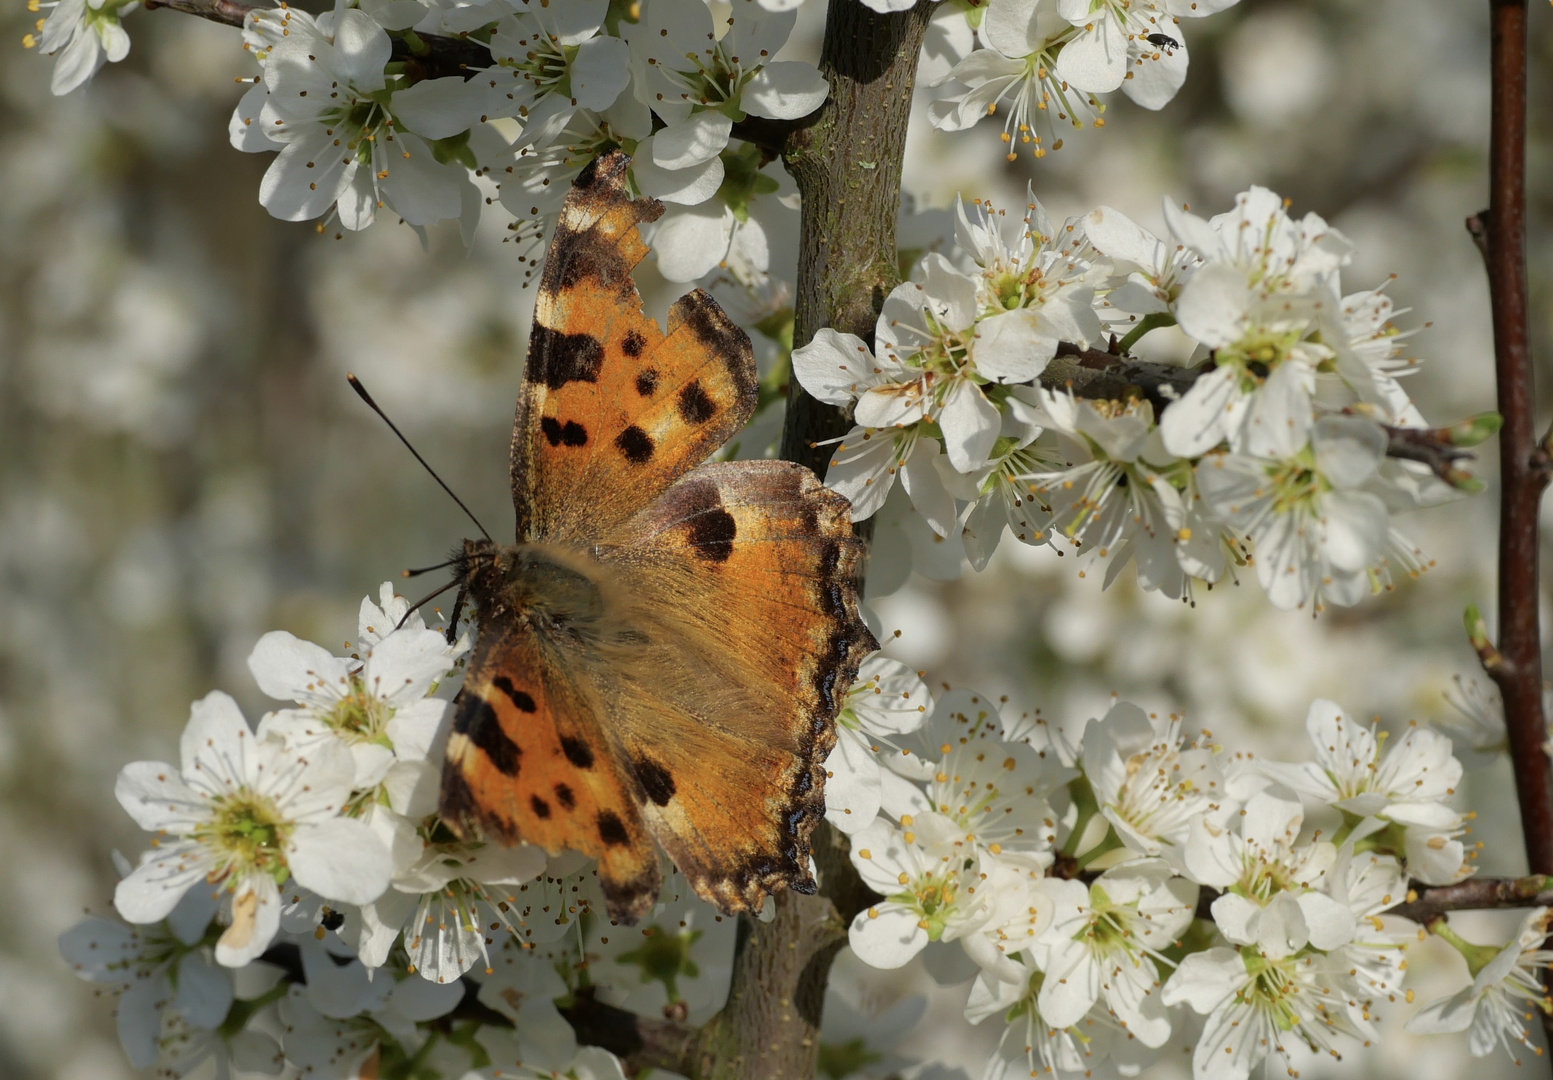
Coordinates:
1163	41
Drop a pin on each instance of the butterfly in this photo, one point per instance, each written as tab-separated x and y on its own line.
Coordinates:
661	655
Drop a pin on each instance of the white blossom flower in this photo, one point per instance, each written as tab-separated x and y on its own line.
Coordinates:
1316	535
444	902
332	114
1147	273
867	461
1029	1046
377	706
243	813
1409	785
1255	302
1132	45
554	59
1368	884
931	894
1366	344
1105	939
699	83
85	34
1006	498
1477	732
246	1051
161	966
1146	783
1017	72
1254	1003
886	700
1113	492
992	788
1271	884
1032	288
338	1018
1505	993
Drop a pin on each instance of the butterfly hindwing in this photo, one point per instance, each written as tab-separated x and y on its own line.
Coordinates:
611	404
742	574
526	760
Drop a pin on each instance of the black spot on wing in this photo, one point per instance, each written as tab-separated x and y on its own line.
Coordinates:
477	721
519	698
712	535
694	406
540	807
647	382
571	433
556	359
636	445
612	830
657	781
632	345
564	796
577	752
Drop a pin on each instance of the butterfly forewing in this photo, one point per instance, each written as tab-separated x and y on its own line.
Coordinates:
609	399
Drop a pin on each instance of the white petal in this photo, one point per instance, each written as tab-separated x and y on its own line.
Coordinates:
204	991
1013	347
970	424
691	242
305	179
687	187
151	892
255	921
290	669
887	936
154	795
1096	60
216	747
833	366
1445	1015
699	138
600	71
784	90
340	859
439	108
418	187
362	50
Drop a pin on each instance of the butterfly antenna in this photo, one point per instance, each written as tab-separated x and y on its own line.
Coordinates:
423	600
418	571
361	392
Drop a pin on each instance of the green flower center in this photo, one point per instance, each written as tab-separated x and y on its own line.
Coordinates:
1296	485
360	716
247	832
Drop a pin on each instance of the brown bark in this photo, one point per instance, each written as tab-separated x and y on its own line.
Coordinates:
846	160
1523	462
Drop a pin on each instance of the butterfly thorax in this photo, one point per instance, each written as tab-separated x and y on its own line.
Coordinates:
554	592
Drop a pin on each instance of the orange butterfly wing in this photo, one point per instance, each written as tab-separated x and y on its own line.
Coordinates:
526	760
612	409
743	572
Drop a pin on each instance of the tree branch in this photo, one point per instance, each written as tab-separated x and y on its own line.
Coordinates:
1523	463
1097	373
1426	903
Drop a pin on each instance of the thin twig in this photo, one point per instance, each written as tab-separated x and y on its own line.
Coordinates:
1523	465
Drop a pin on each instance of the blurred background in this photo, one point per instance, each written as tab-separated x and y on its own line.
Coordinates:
182	466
